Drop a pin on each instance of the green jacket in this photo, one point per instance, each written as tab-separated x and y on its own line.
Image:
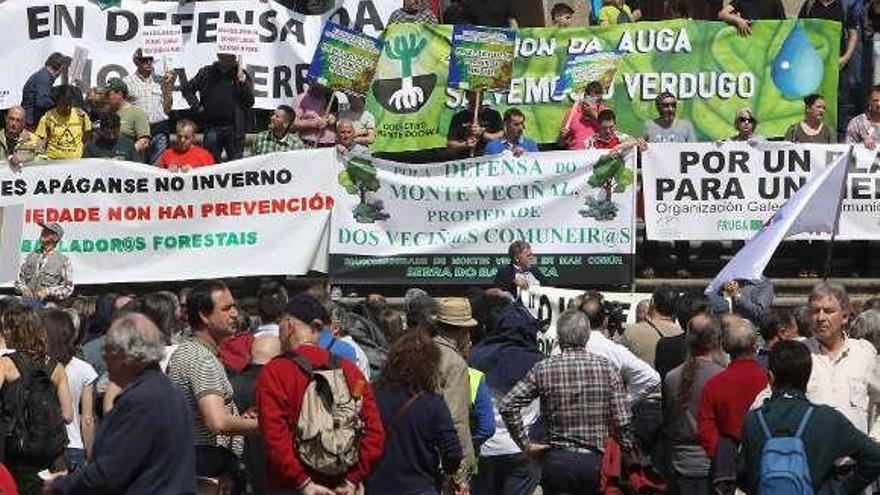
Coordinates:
828	436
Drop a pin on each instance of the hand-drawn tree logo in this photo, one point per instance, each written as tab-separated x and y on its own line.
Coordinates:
410	92
360	178
610	175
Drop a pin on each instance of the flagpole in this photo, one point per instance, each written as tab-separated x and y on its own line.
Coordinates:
830	251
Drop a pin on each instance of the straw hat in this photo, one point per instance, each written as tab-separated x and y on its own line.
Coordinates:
455	311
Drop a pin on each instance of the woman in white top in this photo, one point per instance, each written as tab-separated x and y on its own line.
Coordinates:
80	379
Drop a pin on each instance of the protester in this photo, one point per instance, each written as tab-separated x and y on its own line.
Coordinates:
521	273
46	274
27	405
513	140
457	13
827	435
185	155
271	300
346	136
453	323
812	129
747	298
838	359
316	111
579	414
36	95
197	372
15	140
281	392
420	435
154	98
581	123
413	11
364	121
672	351
225	94
742	13
561	15
746	125
146	445
727	396
607	136
279	136
494	13
642	309
776	326
865	325
615	12
466	135
506	354
108	143
865	128
134	123
62	341
65	129
639	379
642	338
682	389
666	128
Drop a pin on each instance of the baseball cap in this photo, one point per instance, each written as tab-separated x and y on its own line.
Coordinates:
53	227
116	84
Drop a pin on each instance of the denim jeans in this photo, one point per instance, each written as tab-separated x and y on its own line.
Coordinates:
74	459
512	474
158	144
564	472
218	139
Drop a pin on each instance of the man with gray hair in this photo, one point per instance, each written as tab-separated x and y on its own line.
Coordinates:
15	141
583	402
727	396
146	444
843	367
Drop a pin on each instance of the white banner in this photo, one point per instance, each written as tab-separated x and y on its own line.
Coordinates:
547	303
127	222
452	222
10	242
710	192
31	30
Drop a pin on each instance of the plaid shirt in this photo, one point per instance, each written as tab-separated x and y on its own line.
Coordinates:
146	94
423	16
582	402
266	142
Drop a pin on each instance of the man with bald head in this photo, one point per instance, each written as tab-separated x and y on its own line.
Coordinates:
146	444
15	143
727	396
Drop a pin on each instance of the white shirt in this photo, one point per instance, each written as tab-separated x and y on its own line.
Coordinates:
639	378
501	442
147	95
843	384
269	329
362	363
80	375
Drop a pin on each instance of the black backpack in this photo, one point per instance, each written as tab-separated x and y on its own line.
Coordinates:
33	425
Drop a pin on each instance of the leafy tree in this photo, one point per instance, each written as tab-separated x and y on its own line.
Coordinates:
359	178
611	175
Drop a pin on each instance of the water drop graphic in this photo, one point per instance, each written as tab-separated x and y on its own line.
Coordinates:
797	69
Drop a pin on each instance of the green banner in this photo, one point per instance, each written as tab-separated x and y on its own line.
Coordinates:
713	70
344	59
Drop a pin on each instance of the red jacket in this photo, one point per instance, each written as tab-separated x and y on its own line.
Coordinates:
726	399
280	390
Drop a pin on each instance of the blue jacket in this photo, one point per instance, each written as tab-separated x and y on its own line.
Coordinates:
500	145
337	347
36	95
145	446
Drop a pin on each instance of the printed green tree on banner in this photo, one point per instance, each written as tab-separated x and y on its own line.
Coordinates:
360	178
610	175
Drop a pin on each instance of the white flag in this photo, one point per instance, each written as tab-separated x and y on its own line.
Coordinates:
815	208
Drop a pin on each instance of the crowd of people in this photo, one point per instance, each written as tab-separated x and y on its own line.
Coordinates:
273	392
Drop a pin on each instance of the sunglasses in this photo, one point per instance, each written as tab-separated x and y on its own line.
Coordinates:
743	120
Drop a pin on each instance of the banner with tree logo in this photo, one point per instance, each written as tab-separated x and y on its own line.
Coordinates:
711	68
345	60
452	222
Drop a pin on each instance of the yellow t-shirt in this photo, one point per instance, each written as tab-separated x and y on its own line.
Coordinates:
611	15
64	135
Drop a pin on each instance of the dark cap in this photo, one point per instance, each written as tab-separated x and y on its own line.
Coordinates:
307	308
53	227
116	84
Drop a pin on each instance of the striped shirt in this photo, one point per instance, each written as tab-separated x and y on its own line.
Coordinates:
196	370
146	94
582	402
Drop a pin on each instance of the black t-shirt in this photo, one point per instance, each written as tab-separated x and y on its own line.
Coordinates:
459	128
120	149
832	12
490	12
759	9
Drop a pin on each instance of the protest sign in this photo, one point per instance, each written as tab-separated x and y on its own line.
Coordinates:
77	64
161	42
452	222
482	57
582	69
128	222
710	192
10	241
238	39
345	60
30	31
547	303
710	68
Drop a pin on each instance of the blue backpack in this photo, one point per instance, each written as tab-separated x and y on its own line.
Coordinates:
784	466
